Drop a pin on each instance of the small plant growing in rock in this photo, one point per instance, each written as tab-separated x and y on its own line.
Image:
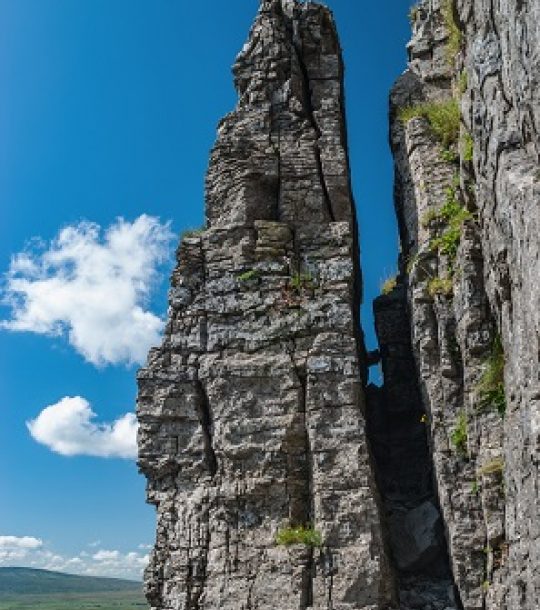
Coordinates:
299	534
443	117
388	285
298	281
463	82
449	155
250	274
467	147
491	386
452	215
495	466
459	436
440	286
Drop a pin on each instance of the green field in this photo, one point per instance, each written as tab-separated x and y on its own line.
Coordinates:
111	600
26	589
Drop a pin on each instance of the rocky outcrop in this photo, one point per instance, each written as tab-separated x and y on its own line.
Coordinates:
254	411
465	138
251	411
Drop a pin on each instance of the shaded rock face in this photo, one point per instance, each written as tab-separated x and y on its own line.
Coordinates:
473	296
251	411
398	436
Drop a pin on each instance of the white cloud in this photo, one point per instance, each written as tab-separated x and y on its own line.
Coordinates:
106	556
30	552
67	427
14	548
92	287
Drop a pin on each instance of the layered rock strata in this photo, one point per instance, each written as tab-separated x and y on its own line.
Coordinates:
251	411
467	205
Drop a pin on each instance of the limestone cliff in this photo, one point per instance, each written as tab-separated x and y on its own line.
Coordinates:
251	411
464	131
255	414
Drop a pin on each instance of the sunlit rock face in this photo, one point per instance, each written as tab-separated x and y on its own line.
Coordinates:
251	411
472	298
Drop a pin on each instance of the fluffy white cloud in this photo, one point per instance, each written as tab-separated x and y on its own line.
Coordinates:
68	428
15	548
30	552
93	287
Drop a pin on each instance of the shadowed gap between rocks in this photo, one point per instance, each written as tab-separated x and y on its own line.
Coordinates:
397	432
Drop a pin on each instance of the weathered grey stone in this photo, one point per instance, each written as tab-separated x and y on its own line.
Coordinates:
490	512
251	412
415	537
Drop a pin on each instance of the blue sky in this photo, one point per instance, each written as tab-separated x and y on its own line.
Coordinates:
109	109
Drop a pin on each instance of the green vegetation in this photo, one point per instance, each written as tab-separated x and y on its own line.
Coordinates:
453	44
388	285
300	534
463	82
491	386
112	600
28	580
449	155
298	281
495	466
443	117
467	147
452	215
28	589
442	286
475	488
250	274
459	435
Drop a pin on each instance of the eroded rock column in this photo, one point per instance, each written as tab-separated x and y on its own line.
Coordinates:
251	411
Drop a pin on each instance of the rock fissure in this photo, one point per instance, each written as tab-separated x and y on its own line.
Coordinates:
296	44
205	418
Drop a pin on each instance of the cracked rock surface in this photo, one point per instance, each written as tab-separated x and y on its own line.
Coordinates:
480	288
251	411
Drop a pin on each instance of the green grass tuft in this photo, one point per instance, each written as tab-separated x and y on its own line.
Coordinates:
495	466
452	215
459	436
298	281
388	285
250	274
443	117
441	286
300	534
463	82
491	386
467	147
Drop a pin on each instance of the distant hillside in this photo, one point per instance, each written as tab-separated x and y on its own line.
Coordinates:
29	581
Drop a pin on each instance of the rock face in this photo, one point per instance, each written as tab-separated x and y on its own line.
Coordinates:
467	204
251	411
